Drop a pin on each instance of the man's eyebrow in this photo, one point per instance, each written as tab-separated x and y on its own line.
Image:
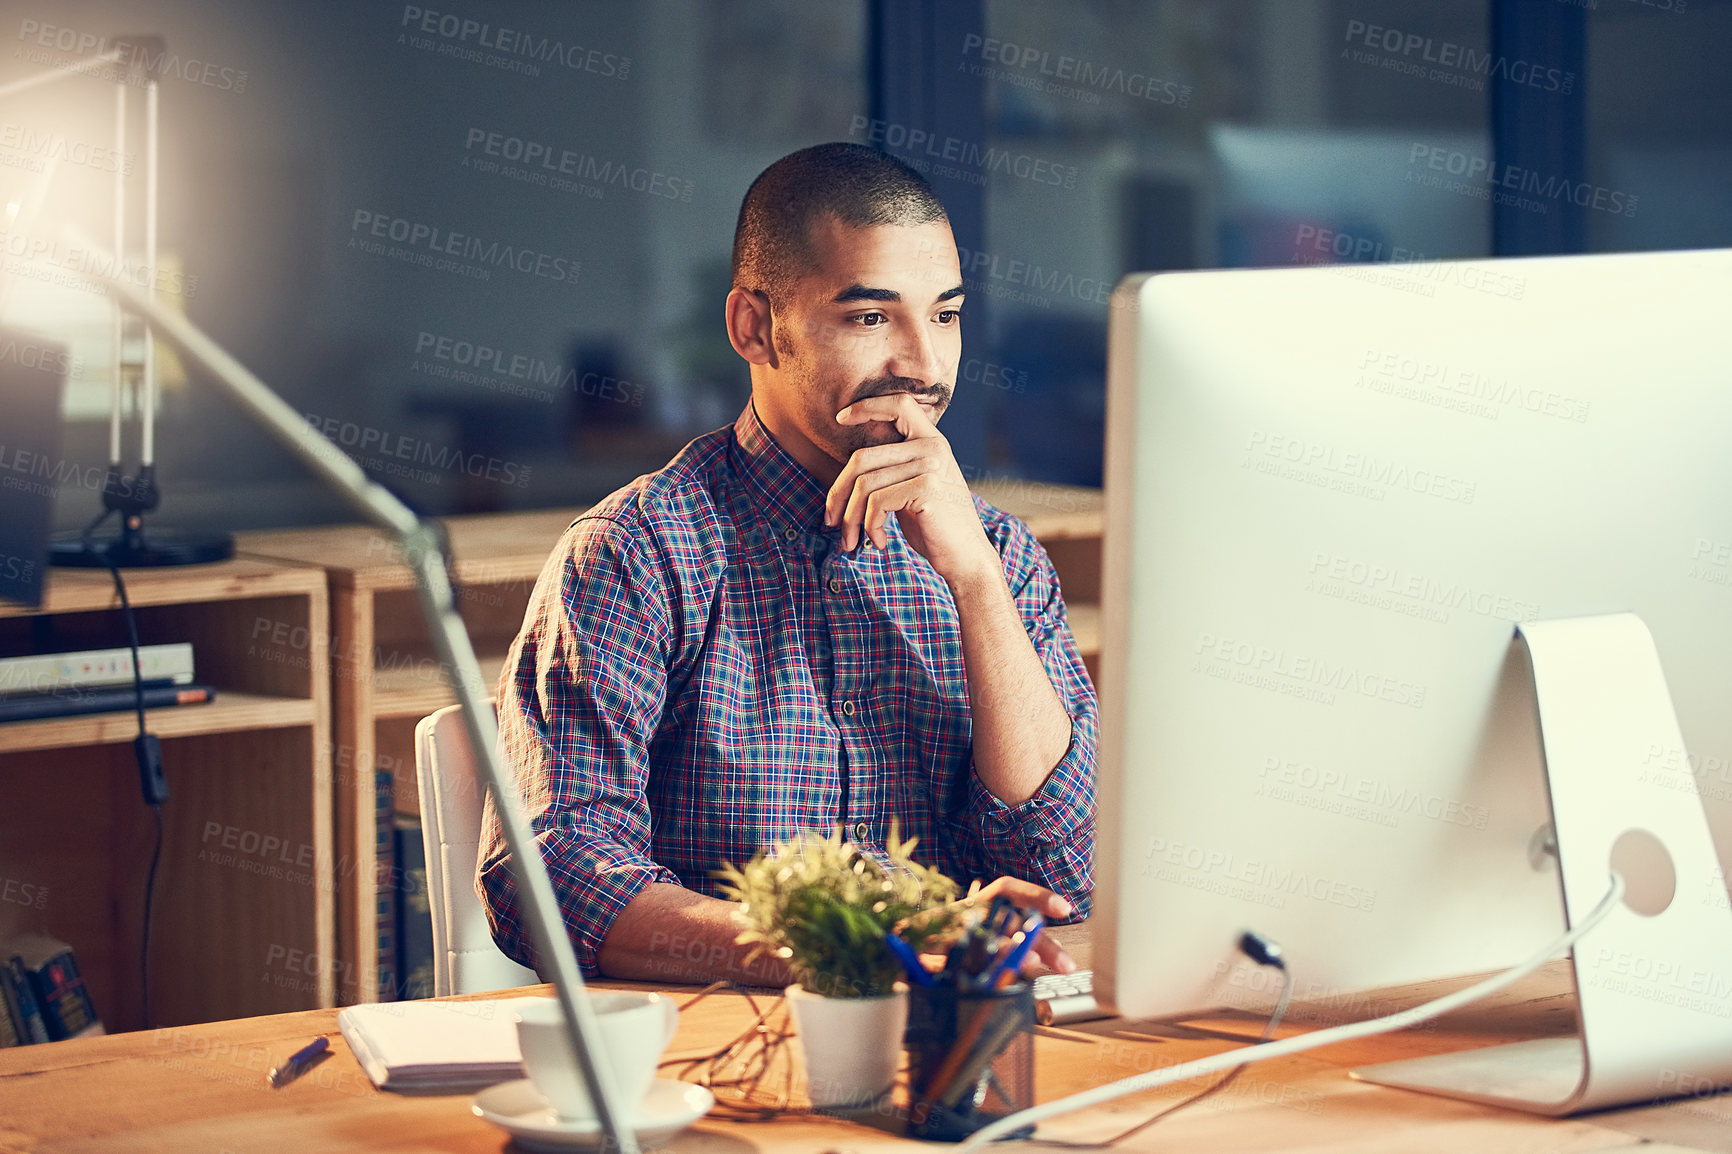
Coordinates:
859	292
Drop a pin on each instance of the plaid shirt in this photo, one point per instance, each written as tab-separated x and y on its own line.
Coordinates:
702	671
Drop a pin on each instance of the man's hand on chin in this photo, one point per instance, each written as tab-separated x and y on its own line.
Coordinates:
918	480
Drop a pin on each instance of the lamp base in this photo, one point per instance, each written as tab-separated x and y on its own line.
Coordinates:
133	550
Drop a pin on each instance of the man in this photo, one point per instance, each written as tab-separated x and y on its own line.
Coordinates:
804	621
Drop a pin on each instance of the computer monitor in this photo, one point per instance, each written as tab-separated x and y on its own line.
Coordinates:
1331	493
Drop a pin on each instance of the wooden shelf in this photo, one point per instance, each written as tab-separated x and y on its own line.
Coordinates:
411	692
92	590
1052	512
232	711
247	869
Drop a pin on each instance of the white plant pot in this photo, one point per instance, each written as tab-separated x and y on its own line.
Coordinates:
850	1046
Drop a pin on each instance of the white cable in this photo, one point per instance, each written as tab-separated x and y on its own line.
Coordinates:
1301	1042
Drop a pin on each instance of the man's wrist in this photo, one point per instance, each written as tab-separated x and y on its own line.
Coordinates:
983	578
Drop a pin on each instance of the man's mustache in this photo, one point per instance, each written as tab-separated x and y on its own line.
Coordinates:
937	395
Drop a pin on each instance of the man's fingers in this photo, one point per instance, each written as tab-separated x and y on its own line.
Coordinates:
1029	896
911	418
1051	955
857	515
880	503
865	461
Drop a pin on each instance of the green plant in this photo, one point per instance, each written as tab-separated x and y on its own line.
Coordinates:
823	907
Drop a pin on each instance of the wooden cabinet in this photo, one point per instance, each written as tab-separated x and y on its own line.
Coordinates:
244	908
386	677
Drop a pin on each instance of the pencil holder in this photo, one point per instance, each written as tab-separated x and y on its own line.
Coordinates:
970	1058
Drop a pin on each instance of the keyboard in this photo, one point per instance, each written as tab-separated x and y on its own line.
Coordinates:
1060	999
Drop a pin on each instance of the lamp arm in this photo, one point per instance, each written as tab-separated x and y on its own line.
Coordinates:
423	551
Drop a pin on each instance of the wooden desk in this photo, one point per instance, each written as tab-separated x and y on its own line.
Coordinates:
202	1089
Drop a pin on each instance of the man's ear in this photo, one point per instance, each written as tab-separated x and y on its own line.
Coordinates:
750	327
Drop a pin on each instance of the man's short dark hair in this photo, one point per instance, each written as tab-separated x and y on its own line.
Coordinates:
860	186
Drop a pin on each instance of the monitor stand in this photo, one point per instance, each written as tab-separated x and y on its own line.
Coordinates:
1654	981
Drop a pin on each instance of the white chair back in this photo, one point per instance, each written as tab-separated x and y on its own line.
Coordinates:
465	960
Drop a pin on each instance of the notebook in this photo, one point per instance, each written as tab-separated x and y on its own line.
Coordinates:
452	1046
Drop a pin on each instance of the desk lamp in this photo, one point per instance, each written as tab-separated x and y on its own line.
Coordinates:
130	497
422	549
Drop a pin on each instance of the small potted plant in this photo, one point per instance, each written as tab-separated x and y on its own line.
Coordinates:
823	908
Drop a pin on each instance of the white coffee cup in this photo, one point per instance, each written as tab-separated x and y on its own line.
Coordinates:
635	1030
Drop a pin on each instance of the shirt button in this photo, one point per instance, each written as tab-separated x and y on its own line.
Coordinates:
790	534
835	585
848	708
860	831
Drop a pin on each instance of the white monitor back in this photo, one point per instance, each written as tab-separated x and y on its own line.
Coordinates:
1330	494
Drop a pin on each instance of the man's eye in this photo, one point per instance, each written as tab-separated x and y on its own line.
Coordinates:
870	320
949	316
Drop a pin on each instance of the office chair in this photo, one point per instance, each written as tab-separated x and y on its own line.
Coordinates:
465	960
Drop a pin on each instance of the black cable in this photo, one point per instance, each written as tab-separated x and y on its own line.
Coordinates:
148	752
1265	953
131	639
1227	1078
149	898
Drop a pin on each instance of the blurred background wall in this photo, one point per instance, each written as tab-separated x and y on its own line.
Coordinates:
484	246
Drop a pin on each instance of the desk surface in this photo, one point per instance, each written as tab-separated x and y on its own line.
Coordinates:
202	1089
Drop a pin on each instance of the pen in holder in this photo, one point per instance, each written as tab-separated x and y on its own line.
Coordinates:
971	1058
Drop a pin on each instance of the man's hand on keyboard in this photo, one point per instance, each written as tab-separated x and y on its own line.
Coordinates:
1046	953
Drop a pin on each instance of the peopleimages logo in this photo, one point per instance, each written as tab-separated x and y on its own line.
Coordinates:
546	163
511	48
136	62
40	147
957	154
1268	452
1071	76
427	242
1171	860
1412	54
1483	176
1216	655
476	361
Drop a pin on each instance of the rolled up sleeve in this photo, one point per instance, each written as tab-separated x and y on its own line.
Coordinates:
580	699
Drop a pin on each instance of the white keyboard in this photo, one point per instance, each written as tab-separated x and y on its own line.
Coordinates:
1060	999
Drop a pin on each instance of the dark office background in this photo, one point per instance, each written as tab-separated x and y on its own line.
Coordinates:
1074	141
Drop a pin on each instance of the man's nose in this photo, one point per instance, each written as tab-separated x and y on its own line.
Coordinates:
916	357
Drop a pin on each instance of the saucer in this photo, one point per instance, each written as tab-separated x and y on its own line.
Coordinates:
516	1108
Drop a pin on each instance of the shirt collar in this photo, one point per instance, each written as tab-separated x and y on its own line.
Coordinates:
786	495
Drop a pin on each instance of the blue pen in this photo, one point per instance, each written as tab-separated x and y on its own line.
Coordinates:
299	1063
1030	930
910	960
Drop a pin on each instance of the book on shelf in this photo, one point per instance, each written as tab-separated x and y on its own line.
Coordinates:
51	973
385	889
21	992
414	914
56	673
11	1017
79	700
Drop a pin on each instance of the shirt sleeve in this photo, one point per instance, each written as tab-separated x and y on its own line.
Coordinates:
580	699
1048	839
